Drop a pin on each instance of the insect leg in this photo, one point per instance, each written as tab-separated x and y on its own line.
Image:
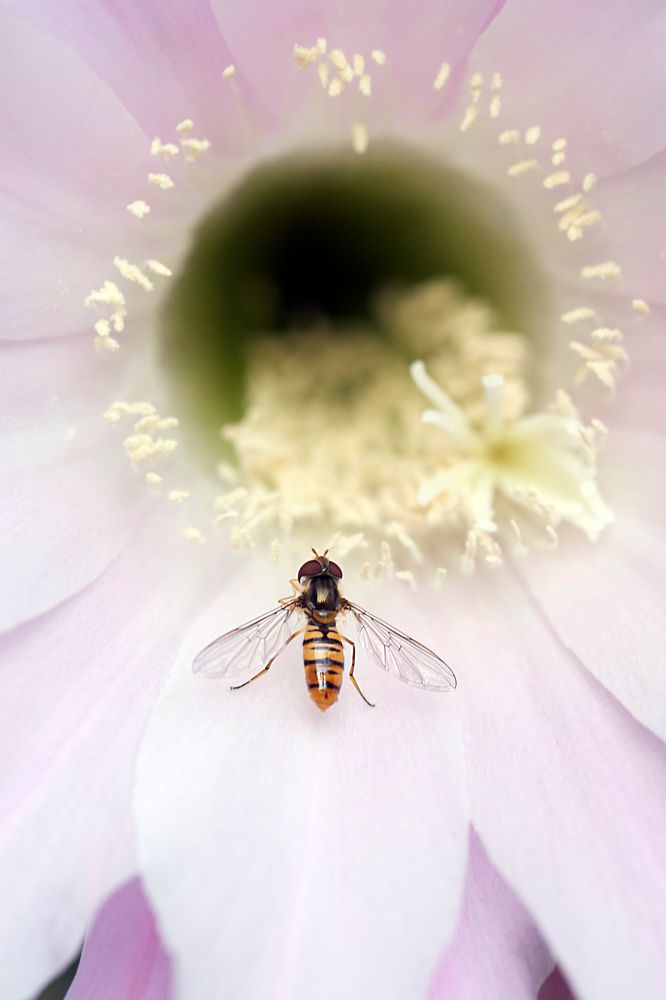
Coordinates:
351	671
270	663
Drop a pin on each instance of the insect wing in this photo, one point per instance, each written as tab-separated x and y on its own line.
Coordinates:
399	654
247	647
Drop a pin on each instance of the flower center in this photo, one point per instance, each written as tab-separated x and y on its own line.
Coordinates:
314	239
310	295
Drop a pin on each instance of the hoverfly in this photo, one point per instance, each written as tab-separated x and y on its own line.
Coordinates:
318	598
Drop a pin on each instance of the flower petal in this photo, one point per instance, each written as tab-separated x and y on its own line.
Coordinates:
566	794
497	952
68	507
309	855
73	163
614	618
610	56
416	37
75	689
123	957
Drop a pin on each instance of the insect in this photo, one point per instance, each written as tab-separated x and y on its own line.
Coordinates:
318	598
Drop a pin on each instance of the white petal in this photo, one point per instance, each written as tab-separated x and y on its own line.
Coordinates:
497	951
75	689
298	854
606	601
567	793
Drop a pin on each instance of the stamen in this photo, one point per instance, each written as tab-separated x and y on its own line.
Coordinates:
607	269
166	149
576	315
522	167
532	135
133	273
443	74
378	56
588	182
510	137
471	114
229	72
359	138
157	267
185	126
162	181
138	208
640	306
557	179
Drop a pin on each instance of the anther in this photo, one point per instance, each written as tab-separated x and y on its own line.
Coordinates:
443	74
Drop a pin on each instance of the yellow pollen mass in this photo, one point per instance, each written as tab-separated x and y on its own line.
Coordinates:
138	208
640	306
131	272
532	135
378	56
162	181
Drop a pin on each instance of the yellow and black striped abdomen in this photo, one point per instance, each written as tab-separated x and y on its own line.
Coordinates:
324	661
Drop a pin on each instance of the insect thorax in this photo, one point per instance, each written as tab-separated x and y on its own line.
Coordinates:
322	594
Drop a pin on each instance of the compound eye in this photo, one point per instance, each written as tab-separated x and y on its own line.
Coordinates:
335	570
311	568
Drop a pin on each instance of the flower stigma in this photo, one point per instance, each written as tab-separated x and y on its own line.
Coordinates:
321	299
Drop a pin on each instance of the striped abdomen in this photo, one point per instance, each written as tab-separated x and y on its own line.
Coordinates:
324	662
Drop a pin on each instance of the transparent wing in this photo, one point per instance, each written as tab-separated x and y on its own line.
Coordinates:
400	655
248	647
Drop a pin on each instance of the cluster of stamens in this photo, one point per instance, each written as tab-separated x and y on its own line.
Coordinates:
363	463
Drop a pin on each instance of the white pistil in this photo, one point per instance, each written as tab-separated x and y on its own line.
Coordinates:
539	461
442	76
607	269
138	208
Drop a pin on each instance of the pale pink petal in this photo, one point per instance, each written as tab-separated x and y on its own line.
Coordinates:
496	952
75	688
163	61
287	852
567	794
416	37
593	75
73	160
123	957
632	204
555	987
67	506
614	618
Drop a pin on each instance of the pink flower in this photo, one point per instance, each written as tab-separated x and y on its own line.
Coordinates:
479	185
